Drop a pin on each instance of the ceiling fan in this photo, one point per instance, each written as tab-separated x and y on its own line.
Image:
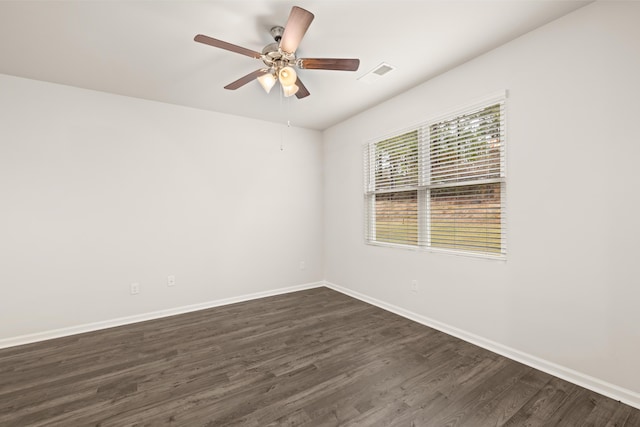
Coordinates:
280	57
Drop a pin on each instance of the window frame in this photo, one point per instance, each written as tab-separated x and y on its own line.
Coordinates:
424	187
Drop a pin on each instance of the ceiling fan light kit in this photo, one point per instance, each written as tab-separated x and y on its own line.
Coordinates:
287	76
267	81
290	90
280	58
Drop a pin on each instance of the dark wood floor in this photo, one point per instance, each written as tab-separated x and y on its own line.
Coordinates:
314	358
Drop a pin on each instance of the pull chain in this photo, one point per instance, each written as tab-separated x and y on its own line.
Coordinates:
282	130
281	141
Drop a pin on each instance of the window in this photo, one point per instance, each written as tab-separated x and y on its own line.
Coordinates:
440	185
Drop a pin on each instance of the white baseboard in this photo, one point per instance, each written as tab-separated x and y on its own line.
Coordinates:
613	391
90	327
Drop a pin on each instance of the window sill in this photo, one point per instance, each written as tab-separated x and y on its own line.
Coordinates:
467	254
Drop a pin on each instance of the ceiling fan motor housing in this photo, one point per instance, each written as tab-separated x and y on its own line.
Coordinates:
277	32
273	56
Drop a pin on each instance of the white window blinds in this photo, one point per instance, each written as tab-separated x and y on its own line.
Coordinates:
392	176
395	163
440	184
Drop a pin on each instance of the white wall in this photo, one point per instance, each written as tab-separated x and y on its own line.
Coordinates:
569	290
98	191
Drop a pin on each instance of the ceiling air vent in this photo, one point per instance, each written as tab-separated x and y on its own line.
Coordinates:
376	73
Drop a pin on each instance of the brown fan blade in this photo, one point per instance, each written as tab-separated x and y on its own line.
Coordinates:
297	24
302	90
246	79
227	46
329	64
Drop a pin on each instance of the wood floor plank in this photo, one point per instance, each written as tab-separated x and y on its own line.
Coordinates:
542	405
632	420
574	409
500	409
604	411
310	358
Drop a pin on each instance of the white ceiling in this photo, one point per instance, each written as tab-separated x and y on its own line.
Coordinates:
145	49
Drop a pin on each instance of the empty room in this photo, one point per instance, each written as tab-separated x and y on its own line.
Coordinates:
319	213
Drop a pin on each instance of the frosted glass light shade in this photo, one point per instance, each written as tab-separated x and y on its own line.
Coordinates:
288	76
267	81
290	90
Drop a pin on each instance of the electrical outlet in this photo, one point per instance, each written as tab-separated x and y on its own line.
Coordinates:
302	265
135	288
171	280
414	285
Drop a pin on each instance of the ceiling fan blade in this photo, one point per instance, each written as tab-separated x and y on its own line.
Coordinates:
329	64
246	79
297	24
227	46
302	92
